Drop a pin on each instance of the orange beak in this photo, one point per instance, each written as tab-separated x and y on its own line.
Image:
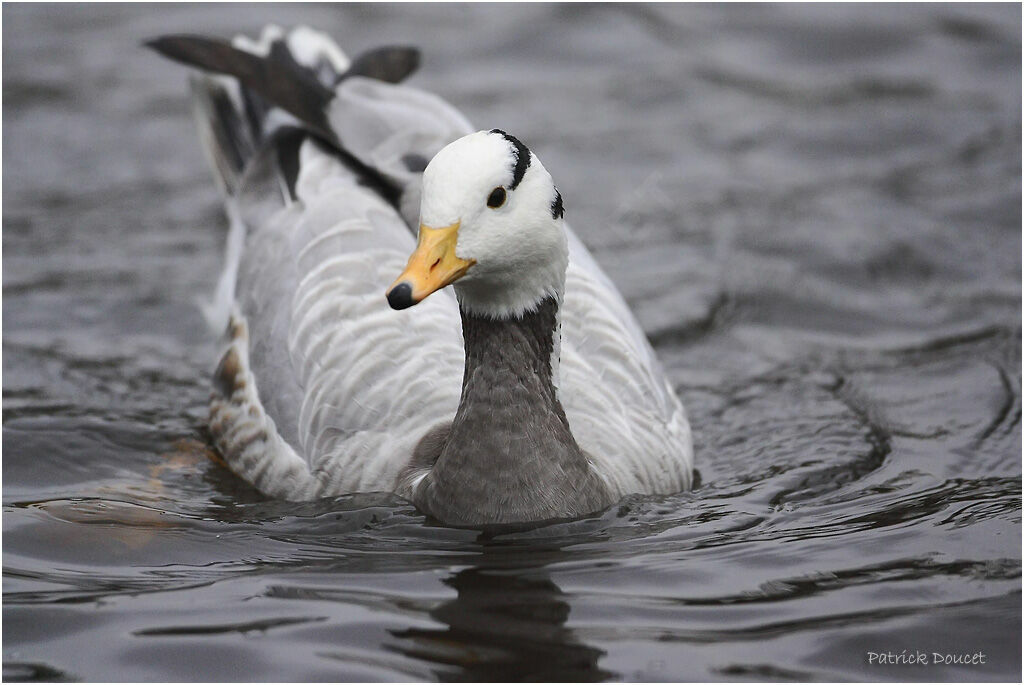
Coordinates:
431	267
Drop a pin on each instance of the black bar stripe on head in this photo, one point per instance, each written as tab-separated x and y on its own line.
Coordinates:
522	154
557	210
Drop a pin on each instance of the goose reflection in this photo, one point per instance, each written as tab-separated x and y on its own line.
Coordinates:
506	623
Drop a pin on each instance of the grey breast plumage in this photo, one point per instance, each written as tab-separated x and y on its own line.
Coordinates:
510	432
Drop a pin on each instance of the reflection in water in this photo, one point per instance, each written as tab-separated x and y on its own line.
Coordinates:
506	624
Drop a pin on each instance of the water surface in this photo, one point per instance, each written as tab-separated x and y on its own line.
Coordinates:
815	213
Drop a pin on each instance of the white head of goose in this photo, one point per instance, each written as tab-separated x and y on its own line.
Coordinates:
491	224
491	219
549	405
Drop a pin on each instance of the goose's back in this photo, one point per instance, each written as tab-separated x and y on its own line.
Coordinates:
350	384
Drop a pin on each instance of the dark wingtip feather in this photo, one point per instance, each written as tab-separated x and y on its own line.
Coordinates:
183	47
282	82
392	63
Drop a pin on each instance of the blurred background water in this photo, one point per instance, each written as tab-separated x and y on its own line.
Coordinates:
816	214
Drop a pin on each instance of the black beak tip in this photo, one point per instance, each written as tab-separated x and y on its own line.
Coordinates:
400	297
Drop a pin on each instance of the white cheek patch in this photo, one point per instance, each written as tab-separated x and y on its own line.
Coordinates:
462	175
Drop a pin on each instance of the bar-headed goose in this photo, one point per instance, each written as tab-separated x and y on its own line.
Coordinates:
525	392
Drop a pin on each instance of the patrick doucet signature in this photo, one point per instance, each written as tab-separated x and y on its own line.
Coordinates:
918	658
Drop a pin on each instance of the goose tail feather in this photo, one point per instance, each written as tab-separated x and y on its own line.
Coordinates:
255	101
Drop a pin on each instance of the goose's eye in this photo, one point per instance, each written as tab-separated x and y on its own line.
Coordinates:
496	198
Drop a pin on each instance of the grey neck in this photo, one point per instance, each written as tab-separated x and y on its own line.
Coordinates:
510	455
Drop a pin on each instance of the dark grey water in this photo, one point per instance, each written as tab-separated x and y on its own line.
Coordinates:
816	214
